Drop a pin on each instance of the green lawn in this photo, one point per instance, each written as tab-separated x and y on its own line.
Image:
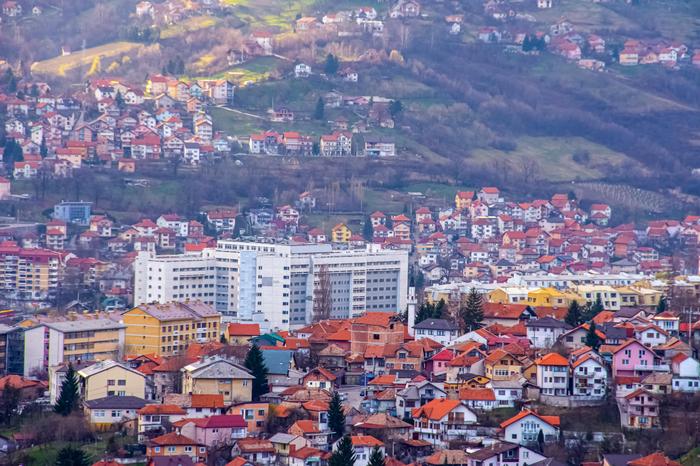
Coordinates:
189	25
554	157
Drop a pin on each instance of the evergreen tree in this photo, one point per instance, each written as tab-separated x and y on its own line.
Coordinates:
222	339
592	338
119	100
344	455
472	313
540	440
376	458
70	456
367	230
43	150
330	67
9	402
574	316
319	110
70	396
662	305
595	308
395	107
527	44
256	365
336	416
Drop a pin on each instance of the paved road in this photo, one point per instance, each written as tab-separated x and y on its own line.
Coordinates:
353	394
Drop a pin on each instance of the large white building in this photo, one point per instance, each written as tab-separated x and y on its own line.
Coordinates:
277	284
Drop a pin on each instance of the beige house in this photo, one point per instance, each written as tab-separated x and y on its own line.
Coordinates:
218	376
110	378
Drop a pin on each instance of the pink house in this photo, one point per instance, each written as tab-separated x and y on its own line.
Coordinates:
632	358
438	364
215	430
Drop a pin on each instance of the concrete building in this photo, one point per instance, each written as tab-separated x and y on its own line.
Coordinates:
278	285
73	212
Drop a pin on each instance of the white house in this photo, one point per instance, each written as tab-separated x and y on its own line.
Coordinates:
651	335
440	330
479	398
504	454
507	392
363	446
302	70
553	375
524	428
544	332
442	420
686	373
590	377
417	394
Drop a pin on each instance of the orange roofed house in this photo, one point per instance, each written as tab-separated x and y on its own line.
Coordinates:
375	328
442	420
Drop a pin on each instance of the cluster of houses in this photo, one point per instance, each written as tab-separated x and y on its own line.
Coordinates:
646	52
426	386
168	120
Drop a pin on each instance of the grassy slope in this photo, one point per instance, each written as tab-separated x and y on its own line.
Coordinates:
61	64
555	157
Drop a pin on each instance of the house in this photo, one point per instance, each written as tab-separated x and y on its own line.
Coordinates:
110	378
241	333
112	411
633	358
524	428
639	410
483	399
257	451
442	420
505	453
589	377
319	378
686	373
154	419
302	70
405	9
543	333
215	375
576	338
417	394
363	446
173	444
501	365
440	330
309	430
544	3
553	375
214	431
341	233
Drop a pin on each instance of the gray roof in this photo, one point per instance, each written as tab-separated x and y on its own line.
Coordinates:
178	460
282	438
613	333
628	312
100	366
620	460
83	325
549	462
217	368
116	402
277	362
492	450
179	310
437	324
548	322
507	383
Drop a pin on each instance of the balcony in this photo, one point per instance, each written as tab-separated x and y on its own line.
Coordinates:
652	367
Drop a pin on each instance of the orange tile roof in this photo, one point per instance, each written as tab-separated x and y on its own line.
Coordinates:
552	359
207	401
316	405
384	379
307	426
552	420
436	409
19	382
243	330
173	439
161	409
477	394
365	441
380	319
655	459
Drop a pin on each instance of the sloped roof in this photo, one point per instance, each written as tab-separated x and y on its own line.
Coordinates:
551	420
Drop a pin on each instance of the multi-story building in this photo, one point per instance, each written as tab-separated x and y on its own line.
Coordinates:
29	274
590	377
276	284
110	378
553	375
167	329
73	212
218	376
6	333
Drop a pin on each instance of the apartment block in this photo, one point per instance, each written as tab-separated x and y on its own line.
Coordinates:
29	274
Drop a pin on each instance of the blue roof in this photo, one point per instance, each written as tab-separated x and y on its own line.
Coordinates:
277	362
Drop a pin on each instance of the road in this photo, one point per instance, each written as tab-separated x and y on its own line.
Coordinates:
354	398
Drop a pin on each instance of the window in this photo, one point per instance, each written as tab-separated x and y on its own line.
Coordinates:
110	382
188	449
171	449
121	382
157	449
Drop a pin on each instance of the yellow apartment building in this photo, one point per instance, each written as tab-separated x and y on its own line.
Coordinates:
167	329
341	233
551	297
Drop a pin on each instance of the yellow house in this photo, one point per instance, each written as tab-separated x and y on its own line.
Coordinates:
501	365
110	378
341	233
508	295
632	296
94	339
218	376
167	329
463	199
551	297
609	296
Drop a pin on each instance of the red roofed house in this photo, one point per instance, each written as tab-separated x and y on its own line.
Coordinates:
153	418
173	444
363	445
442	420
553	375
240	334
479	398
524	428
215	430
639	410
